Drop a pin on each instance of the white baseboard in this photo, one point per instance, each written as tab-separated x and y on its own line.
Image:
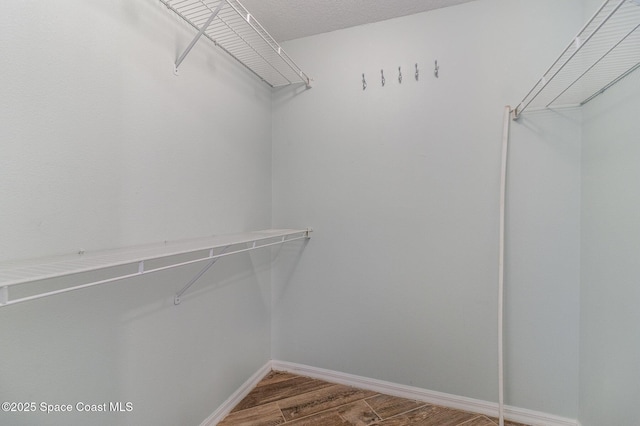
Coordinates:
519	415
226	407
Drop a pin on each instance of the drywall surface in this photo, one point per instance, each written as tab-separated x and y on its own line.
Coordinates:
609	339
542	272
401	185
102	146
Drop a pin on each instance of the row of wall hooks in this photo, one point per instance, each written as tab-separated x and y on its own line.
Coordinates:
383	80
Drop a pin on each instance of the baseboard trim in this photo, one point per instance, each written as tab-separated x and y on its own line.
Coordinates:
226	407
519	415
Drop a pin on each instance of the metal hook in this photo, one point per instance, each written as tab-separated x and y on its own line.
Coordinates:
399	75
364	83
382	75
417	73
435	72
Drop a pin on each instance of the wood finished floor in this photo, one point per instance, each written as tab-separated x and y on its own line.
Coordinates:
288	399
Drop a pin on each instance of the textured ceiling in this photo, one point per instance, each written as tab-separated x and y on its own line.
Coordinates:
289	19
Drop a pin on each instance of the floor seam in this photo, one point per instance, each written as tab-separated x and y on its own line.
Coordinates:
285	398
281	413
470	420
409	411
372	409
321	412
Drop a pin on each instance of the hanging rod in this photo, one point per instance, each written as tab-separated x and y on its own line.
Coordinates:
229	25
136	260
605	50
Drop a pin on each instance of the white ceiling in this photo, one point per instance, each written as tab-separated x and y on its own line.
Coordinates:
290	19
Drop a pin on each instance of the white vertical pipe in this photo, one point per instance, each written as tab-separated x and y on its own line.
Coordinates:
503	193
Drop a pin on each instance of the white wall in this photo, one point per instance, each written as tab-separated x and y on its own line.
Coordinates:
401	186
609	338
102	146
542	270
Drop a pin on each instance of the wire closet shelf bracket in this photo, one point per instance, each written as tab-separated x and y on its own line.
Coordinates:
605	51
103	267
229	25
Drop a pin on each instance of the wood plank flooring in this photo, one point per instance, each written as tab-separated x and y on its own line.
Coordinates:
287	399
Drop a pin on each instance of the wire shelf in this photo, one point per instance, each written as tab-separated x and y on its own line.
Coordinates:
172	254
606	50
237	32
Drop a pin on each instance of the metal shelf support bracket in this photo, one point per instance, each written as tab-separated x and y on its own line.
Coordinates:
176	299
197	37
227	250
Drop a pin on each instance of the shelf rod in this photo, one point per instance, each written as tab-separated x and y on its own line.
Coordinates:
517	109
278	50
278	70
197	37
249	45
593	65
617	79
544	81
4	290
